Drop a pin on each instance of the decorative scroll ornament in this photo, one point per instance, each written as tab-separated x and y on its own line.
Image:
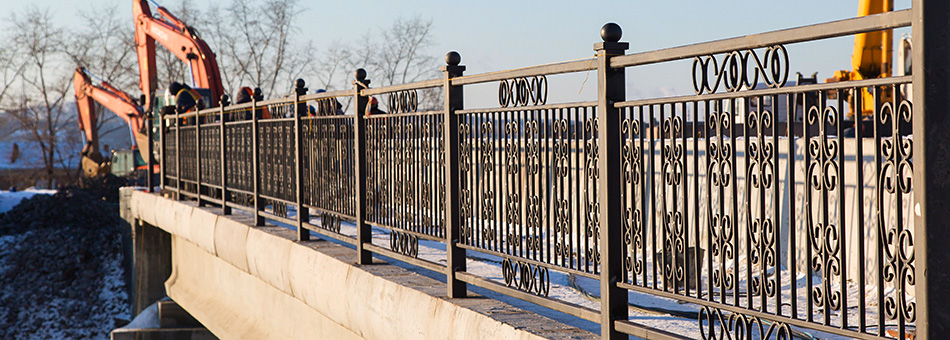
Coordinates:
714	325
404	243
526	277
523	91
403	101
825	238
737	67
896	182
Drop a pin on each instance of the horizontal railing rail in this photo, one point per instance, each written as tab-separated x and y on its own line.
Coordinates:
840	28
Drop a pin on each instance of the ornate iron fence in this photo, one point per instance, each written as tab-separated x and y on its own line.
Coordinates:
768	207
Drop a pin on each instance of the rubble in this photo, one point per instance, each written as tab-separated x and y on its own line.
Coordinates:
61	272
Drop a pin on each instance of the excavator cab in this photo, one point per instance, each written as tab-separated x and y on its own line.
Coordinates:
163	99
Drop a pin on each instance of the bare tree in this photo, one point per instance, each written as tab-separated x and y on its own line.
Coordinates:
44	84
11	65
396	55
256	44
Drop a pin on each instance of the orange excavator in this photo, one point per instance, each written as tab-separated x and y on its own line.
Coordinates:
117	101
871	58
183	41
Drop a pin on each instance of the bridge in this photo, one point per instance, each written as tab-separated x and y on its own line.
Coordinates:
750	205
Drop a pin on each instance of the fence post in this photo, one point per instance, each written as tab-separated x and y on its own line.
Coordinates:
198	158
610	89
255	151
149	174
364	233
303	213
225	210
455	256
931	185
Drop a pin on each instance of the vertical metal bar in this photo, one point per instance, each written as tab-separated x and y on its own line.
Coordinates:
776	201
149	159
697	260
364	233
549	145
685	203
842	228
748	160
821	249
455	256
575	180
643	193
177	155
662	201
710	225
734	183
652	194
879	199
859	171
225	210
303	213
792	253
255	160
163	151
610	89
198	158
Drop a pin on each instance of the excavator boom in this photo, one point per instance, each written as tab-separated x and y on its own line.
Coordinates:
115	100
182	41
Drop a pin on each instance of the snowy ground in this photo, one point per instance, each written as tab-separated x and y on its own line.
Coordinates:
8	199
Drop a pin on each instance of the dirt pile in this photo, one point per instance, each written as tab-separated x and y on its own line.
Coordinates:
107	186
61	273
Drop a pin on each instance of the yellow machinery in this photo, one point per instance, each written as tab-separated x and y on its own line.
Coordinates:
872	56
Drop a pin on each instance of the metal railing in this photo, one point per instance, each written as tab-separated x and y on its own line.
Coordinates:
768	209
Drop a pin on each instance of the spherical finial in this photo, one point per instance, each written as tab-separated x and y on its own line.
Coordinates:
611	32
360	74
453	58
225	100
299	83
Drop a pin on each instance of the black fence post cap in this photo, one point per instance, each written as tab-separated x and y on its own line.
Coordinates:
453	58
611	32
360	74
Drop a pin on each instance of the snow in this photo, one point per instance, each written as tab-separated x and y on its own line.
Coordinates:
9	199
147	319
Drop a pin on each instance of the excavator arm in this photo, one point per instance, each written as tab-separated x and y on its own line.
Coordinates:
872	56
115	100
182	41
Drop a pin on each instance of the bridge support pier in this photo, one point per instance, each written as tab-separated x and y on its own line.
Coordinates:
151	264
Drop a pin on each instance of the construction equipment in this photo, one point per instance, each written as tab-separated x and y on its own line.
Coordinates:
117	101
871	58
183	41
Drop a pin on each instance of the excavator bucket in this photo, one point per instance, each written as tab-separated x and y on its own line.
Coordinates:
95	165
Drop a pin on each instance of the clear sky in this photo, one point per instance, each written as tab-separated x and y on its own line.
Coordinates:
494	35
